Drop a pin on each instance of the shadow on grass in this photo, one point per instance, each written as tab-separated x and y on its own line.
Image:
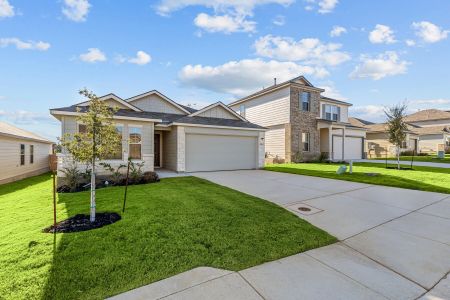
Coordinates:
381	179
23	184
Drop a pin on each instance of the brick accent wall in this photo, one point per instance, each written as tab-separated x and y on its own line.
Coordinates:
302	121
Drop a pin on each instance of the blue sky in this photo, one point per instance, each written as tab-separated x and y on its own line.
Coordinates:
370	53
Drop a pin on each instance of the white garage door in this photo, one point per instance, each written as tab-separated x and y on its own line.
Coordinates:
220	152
353	148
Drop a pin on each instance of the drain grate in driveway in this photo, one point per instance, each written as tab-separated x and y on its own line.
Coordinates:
304	209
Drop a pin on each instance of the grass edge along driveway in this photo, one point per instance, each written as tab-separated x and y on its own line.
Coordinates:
420	178
168	228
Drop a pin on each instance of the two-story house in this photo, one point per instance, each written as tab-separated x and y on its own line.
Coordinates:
165	134
302	124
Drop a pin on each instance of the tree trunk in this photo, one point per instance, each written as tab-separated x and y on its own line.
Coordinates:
92	215
398	157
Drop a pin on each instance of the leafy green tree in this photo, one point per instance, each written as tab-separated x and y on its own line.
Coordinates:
99	141
396	126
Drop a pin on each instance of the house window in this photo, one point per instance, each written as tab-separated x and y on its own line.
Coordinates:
118	152
22	154
305	140
135	142
305	101
31	154
404	145
82	128
331	112
242	110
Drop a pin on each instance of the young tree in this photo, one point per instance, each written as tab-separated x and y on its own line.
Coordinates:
99	141
397	126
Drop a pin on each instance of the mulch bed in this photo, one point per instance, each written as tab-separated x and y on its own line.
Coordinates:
81	222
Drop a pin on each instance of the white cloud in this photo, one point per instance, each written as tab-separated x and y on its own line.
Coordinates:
383	65
229	15
6	9
93	55
410	43
429	32
24	45
224	23
382	34
327	6
243	77
76	10
374	113
439	101
331	91
141	58
337	31
279	20
309	50
166	7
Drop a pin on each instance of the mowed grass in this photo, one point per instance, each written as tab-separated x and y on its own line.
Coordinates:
168	227
420	178
429	158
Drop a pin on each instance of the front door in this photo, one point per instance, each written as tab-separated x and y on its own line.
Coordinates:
157	150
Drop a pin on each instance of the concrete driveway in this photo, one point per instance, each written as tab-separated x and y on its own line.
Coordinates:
394	244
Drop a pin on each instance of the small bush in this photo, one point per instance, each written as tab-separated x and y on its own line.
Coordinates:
73	177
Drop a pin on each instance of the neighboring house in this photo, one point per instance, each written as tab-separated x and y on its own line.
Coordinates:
301	123
377	139
22	153
162	133
434	128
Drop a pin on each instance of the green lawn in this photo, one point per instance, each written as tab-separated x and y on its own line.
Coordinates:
168	227
420	178
428	158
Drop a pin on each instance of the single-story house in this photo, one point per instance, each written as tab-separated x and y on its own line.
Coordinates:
377	139
23	153
162	133
433	128
302	123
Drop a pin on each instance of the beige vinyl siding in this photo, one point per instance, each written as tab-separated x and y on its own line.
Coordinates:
154	103
343	110
432	123
11	169
430	142
276	141
69	125
114	103
218	112
269	109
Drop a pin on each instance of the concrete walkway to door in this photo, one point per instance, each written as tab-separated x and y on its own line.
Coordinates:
394	244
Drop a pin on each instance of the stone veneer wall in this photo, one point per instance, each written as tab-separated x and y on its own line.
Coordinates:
302	121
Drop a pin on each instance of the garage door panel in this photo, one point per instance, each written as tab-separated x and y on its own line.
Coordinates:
220	152
353	148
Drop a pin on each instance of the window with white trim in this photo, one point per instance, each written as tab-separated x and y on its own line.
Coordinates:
242	110
331	112
305	141
135	148
118	153
31	154
305	101
22	154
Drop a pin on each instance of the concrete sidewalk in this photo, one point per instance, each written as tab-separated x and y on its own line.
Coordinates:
394	244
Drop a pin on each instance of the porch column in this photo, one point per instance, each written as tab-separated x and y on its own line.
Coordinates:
343	143
330	143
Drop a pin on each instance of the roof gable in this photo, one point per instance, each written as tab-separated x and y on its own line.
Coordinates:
218	110
157	102
428	115
112	100
10	130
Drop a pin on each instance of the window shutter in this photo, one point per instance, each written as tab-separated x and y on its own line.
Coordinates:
339	113
323	111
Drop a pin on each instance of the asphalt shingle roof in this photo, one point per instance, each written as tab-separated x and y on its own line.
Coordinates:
172	118
9	129
428	115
